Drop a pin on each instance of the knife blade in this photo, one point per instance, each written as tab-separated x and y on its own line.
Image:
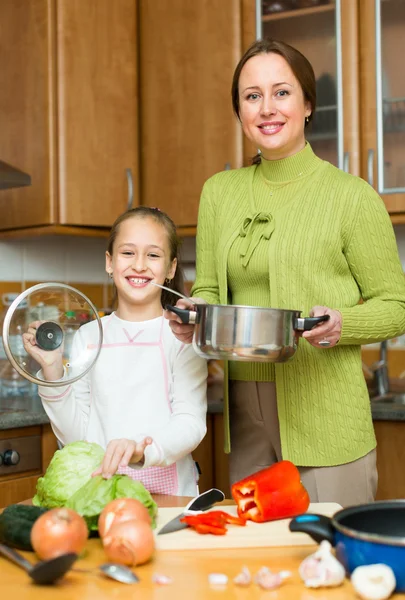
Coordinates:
198	504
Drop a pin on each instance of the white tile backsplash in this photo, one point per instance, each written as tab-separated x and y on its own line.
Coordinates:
11	261
53	258
83	259
44	259
85	262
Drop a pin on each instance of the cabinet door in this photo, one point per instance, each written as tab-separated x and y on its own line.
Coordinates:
27	105
188	51
97	108
325	31
383	99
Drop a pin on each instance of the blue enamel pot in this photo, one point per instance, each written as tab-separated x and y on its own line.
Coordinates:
362	535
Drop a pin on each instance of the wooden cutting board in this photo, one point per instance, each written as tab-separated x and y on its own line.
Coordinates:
253	535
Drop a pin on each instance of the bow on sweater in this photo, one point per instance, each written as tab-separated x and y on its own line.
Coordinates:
261	225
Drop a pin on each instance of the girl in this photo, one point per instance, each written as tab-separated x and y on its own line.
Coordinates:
145	398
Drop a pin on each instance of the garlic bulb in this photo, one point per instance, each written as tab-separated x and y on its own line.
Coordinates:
322	569
374	582
267	580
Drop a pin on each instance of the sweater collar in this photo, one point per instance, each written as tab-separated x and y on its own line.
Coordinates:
290	168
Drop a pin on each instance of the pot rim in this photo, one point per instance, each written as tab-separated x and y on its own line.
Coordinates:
362	535
286	310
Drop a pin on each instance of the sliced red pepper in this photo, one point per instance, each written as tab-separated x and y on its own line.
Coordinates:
214	517
272	493
231	519
214	521
204	528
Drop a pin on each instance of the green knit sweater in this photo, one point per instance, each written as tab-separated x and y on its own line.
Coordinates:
323	237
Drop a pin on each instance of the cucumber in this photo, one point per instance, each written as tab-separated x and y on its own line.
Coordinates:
16	522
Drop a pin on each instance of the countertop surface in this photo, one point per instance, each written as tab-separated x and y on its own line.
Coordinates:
188	570
28	411
21	412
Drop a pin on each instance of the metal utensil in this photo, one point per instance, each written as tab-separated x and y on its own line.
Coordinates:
114	571
43	572
200	503
164	287
119	573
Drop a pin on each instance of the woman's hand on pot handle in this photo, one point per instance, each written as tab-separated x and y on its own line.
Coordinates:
183	332
328	331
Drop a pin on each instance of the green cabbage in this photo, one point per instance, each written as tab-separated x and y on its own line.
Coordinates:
69	469
90	499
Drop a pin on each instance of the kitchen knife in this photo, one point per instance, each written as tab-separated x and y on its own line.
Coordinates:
202	502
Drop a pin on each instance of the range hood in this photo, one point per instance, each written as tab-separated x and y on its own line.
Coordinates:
10	177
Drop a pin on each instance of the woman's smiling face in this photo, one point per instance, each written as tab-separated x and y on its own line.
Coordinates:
272	106
141	254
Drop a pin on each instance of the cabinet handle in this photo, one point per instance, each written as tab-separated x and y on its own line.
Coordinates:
346	162
227	166
370	164
130	188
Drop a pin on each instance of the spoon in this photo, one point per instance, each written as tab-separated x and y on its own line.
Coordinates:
114	571
119	573
47	571
163	287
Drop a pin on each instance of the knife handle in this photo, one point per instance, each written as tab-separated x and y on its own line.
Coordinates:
205	500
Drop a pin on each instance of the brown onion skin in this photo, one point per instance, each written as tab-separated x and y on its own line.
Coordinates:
129	543
59	531
119	511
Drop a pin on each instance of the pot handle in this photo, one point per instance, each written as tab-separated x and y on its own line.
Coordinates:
318	527
307	323
187	316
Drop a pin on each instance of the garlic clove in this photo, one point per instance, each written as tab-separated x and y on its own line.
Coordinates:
374	582
243	578
322	569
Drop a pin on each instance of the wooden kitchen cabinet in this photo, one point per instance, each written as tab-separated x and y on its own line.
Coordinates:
69	110
187	53
327	35
390	459
356	50
20	485
382	44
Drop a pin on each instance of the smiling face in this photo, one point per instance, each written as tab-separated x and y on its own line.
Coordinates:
272	107
141	254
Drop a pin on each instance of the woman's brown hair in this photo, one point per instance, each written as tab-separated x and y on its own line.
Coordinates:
299	64
144	212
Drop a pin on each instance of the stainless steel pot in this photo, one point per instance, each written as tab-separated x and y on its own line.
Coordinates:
246	333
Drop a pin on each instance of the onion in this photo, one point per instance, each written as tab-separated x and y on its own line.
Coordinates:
121	510
129	543
58	531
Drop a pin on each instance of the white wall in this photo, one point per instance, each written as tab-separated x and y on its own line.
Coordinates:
82	260
66	259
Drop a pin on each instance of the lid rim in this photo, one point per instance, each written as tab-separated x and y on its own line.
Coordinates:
6	328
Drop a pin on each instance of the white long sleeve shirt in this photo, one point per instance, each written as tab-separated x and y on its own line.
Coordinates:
144	383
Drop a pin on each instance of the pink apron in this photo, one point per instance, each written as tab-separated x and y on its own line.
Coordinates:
158	480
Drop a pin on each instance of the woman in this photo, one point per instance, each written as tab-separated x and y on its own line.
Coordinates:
294	232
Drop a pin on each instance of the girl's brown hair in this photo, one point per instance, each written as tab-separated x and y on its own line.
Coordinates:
144	212
299	64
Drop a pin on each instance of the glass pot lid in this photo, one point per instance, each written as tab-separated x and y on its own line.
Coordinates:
41	334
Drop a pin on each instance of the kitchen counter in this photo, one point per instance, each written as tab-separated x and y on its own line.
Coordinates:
21	412
189	571
25	412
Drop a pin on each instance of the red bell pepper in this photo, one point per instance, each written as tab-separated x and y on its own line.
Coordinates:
272	493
